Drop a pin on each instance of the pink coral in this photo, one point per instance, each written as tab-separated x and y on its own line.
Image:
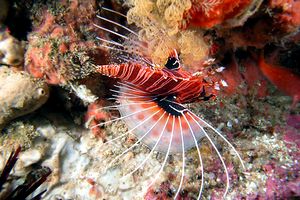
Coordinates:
294	121
207	14
249	75
96	115
286	14
292	131
283	181
280	184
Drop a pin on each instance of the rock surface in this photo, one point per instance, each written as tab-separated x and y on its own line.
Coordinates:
20	94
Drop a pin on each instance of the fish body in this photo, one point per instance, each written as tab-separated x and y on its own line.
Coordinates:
156	95
160	81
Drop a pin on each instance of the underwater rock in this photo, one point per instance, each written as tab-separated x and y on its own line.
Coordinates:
3	10
20	94
11	50
85	167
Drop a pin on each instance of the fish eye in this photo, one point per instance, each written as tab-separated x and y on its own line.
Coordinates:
41	92
172	63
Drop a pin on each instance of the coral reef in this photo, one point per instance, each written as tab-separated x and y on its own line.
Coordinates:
62	45
285	14
243	76
20	94
249	47
275	22
79	159
19	133
94	115
76	158
283	181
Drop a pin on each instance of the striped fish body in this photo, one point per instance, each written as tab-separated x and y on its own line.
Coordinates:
150	100
161	82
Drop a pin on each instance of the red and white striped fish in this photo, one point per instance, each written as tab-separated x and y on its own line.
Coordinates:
150	101
159	92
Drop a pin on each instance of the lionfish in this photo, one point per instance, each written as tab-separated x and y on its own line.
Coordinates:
151	101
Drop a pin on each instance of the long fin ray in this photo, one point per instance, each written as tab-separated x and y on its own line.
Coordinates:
139	140
131	114
166	156
219	134
200	158
217	151
152	150
183	160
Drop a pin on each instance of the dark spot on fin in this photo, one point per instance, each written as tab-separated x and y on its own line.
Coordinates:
171	106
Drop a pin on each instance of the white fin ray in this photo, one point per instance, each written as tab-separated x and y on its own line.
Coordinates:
151	152
139	140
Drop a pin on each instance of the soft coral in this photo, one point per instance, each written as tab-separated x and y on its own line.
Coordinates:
208	13
283	78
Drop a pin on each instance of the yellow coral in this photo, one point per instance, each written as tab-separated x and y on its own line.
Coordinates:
140	12
160	49
173	12
159	22
166	12
192	47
